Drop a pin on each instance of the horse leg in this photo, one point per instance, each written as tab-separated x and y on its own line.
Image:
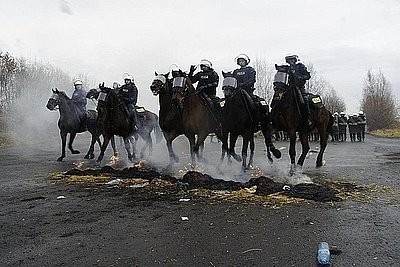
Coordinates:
192	140
250	165
103	147
244	153
232	142
292	151
169	137
63	136
113	146
323	142
305	147
148	144
71	140
127	142
224	147
90	154
199	147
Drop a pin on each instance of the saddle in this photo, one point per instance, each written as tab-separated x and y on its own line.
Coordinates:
315	101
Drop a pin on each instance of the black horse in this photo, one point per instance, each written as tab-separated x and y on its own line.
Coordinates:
169	115
241	116
113	120
69	123
286	116
147	122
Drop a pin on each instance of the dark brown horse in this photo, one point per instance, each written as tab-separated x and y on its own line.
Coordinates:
197	119
169	115
286	116
69	123
242	117
113	120
147	122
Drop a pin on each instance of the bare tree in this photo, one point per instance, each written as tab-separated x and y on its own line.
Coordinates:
333	102
378	103
317	84
264	78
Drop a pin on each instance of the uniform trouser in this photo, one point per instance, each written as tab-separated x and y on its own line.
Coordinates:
132	115
306	109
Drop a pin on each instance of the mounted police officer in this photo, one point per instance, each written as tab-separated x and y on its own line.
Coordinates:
342	127
79	99
128	94
245	75
207	82
299	76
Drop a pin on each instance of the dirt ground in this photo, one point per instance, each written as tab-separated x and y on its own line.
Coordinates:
51	219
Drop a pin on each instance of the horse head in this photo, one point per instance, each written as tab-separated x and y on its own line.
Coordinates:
54	99
229	84
93	93
180	84
159	83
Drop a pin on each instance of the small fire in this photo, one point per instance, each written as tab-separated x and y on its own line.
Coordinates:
113	160
78	165
190	167
256	172
138	164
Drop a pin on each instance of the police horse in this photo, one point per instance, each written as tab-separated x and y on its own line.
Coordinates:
169	115
197	119
70	123
147	122
241	116
113	120
286	116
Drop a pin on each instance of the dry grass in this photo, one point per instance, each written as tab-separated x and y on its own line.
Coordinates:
389	133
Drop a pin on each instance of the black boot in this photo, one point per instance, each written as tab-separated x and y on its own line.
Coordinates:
307	113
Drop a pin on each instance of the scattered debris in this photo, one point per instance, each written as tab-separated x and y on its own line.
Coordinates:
139	185
251	250
286	188
61	197
184	199
185	218
114	182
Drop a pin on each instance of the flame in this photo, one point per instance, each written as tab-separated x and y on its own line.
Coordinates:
256	172
78	165
138	164
113	160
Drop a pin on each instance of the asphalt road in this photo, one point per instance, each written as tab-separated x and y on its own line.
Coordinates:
105	226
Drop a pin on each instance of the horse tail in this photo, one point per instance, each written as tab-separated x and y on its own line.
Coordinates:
157	131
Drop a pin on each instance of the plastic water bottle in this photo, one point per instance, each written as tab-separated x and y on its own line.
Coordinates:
323	254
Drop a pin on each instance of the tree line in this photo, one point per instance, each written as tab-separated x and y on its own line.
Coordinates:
22	78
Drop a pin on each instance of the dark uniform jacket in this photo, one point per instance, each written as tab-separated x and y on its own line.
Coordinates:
342	124
79	98
300	74
128	94
246	78
207	82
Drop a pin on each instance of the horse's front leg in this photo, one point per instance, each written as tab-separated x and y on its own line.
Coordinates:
113	146
244	153
103	147
71	140
173	158
192	140
63	136
127	142
90	154
292	152
305	147
199	147
232	142
250	165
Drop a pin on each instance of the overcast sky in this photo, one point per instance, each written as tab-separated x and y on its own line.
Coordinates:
104	39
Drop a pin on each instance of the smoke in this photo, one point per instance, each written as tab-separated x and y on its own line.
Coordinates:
65	8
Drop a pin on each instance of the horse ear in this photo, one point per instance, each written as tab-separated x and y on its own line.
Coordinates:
57	90
53	90
156	73
166	75
223	74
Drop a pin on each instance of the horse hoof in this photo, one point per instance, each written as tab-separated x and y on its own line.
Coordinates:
60	159
91	156
86	156
277	153
237	158
320	164
75	152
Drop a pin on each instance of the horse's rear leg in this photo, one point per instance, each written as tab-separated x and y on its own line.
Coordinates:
305	147
63	136
232	142
173	158
71	140
199	147
322	143
250	165
244	153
